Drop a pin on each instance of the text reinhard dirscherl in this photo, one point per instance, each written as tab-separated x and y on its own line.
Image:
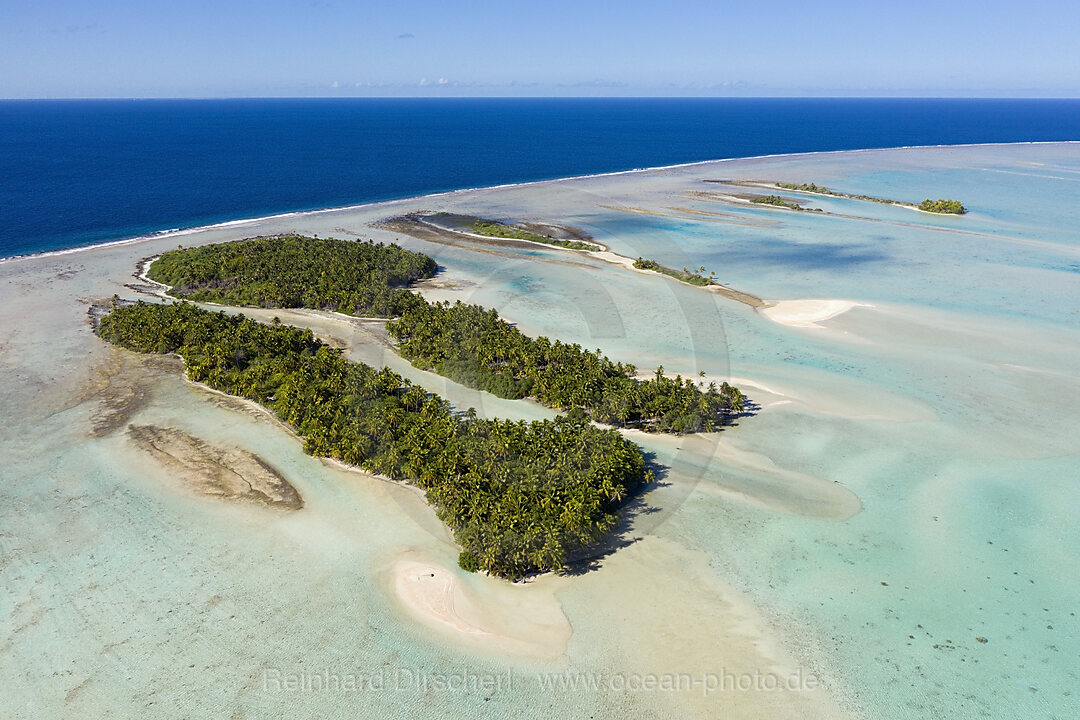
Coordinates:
464	680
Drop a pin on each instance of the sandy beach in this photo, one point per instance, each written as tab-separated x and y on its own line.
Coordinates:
808	313
520	620
426	229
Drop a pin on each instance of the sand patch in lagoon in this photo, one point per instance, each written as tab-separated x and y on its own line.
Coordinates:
756	478
666	612
716	463
489	614
808	313
808	390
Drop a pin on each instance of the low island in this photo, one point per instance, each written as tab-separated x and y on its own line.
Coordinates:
521	498
494	228
940	206
943	207
447	228
776	201
685	275
822	190
469	344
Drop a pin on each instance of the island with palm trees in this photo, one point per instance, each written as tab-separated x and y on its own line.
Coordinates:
520	497
469	344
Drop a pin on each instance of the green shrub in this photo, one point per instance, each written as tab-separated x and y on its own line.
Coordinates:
468	561
944	207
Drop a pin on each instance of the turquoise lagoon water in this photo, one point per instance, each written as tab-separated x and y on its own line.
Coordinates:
947	405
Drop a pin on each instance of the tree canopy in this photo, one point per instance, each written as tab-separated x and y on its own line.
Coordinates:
365	279
466	343
520	497
493	228
776	201
944	207
686	275
475	347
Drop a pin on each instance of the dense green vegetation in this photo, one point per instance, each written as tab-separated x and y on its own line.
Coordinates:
358	278
492	228
466	343
475	347
520	497
947	207
686	275
776	201
806	187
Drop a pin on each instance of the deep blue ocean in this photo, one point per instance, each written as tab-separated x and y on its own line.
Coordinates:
75	172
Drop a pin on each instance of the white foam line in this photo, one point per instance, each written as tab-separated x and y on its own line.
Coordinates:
461	191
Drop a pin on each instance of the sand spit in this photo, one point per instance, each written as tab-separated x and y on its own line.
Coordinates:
719	463
457	226
775	187
756	478
740	199
524	619
808	313
714	288
423	229
849	398
229	474
736	295
664	608
406	225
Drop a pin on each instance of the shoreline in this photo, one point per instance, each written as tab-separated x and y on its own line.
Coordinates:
500	241
807	313
830	501
521	620
167	233
529	623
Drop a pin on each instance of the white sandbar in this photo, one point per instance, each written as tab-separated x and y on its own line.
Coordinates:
808	313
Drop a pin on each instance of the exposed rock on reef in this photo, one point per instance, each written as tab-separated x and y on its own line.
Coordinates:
217	472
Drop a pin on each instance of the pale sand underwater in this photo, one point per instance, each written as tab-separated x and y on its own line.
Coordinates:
885	533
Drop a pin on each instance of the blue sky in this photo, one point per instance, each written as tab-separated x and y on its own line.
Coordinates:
199	48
